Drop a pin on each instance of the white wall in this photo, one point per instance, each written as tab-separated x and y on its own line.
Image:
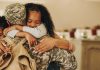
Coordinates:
74	13
68	14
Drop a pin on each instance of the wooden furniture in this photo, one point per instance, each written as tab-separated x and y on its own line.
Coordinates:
90	55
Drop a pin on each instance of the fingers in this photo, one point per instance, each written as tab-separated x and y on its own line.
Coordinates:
2	47
71	47
44	45
5	49
31	42
41	48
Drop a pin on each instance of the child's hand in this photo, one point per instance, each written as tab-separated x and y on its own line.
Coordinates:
31	40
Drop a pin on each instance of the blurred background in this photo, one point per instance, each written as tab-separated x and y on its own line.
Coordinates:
67	14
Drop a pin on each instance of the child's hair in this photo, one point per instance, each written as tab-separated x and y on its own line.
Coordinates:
3	23
15	13
45	16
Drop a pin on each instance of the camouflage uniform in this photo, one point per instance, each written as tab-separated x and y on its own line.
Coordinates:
64	58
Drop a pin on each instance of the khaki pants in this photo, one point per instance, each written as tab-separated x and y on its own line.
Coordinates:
20	59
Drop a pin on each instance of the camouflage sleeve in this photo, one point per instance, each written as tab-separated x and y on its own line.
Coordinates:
65	58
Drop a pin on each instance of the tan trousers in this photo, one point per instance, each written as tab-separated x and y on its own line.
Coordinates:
20	58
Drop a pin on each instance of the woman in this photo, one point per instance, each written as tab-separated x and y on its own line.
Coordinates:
53	41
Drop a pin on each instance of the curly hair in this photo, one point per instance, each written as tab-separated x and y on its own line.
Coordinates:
45	16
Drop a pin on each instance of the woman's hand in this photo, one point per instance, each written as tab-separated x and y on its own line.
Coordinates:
4	48
45	44
71	47
49	43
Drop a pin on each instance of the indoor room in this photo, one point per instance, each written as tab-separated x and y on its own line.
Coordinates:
76	22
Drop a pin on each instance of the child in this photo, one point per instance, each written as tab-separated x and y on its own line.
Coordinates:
42	60
3	24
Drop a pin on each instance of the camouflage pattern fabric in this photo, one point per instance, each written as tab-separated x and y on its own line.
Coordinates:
65	59
15	13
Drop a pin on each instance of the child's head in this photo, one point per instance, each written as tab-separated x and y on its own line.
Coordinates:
3	24
34	19
15	13
33	15
42	14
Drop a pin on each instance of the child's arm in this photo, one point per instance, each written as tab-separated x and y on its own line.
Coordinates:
31	39
37	32
16	28
12	33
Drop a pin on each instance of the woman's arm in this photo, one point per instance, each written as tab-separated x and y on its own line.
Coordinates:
49	43
62	43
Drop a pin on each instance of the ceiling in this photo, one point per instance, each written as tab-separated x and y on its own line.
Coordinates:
4	3
21	1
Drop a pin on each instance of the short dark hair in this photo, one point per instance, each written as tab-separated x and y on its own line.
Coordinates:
3	22
45	16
